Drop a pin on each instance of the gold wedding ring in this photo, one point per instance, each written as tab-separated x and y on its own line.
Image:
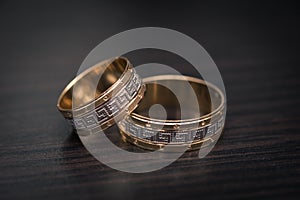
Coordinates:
194	129
101	95
111	92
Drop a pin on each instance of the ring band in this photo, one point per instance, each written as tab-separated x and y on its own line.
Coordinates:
101	95
191	130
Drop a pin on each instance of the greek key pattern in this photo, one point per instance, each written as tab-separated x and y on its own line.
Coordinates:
110	108
171	136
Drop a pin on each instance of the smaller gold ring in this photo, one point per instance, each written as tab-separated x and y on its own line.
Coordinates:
101	95
193	130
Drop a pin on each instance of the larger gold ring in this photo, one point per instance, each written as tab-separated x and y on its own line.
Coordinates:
101	95
194	130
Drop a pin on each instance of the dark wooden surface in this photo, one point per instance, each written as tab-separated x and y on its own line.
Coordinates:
256	47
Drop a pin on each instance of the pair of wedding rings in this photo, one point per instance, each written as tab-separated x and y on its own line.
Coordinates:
111	92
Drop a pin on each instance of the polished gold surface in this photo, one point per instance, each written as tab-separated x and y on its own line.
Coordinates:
191	127
86	91
101	95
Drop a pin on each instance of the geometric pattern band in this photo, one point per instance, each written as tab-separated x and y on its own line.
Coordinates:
110	108
171	136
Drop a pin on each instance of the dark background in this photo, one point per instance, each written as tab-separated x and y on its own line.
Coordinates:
254	44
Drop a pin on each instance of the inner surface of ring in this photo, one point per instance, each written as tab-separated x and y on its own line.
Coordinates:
158	92
85	90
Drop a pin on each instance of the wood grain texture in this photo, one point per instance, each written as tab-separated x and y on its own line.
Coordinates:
255	46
